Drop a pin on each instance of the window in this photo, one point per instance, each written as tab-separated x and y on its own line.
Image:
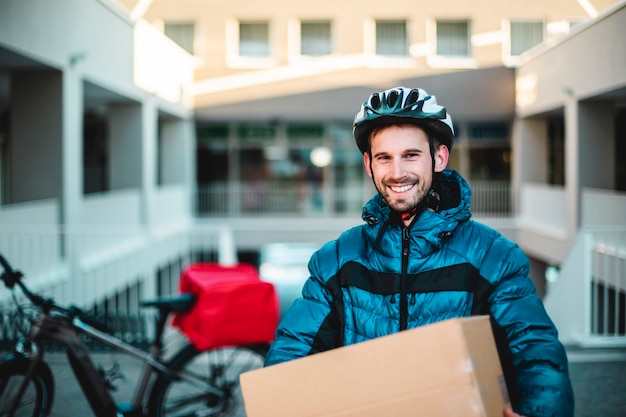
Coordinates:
315	38
211	132
256	132
254	39
181	33
453	38
308	131
490	164
488	131
391	38
525	35
274	168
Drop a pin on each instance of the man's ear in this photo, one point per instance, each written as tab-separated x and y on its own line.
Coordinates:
367	162
442	154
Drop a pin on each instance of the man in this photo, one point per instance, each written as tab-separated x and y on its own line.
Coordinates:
419	259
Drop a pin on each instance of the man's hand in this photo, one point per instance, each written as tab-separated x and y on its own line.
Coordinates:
510	413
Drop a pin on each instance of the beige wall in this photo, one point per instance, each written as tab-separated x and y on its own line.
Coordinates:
352	64
349	18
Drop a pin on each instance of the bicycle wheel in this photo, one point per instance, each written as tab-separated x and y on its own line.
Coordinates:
220	368
37	398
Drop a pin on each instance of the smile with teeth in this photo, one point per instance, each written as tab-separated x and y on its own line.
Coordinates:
401	188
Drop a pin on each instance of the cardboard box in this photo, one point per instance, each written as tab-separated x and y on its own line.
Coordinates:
446	369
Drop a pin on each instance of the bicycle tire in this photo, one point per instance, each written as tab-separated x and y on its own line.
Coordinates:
38	397
176	397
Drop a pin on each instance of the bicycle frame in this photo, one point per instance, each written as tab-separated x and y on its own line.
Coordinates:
68	326
60	329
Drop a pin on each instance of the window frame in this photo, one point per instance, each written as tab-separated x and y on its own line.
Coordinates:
435	60
331	40
507	57
234	58
407	43
525	21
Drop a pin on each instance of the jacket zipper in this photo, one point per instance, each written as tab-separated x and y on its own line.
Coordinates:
403	278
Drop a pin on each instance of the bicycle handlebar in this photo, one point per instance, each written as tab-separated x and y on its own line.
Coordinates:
11	278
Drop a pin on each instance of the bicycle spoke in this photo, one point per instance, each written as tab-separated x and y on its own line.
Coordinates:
218	367
175	405
8	393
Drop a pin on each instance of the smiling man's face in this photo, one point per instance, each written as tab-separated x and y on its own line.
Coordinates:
401	166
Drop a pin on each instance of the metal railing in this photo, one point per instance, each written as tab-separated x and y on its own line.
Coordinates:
104	270
489	199
608	284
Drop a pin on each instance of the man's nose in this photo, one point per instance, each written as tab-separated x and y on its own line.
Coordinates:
398	169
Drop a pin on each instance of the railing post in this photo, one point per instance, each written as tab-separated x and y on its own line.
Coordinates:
588	254
227	253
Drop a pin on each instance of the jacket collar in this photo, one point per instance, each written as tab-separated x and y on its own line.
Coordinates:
429	228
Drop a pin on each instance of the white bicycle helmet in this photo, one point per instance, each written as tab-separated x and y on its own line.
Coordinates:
403	105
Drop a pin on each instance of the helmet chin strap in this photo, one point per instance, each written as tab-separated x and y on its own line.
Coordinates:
408	214
431	202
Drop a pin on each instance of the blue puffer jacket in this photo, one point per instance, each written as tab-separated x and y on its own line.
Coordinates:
362	287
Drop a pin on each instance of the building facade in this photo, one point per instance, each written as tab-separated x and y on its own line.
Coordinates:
96	152
136	136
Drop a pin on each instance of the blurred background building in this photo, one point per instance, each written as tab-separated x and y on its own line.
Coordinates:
139	135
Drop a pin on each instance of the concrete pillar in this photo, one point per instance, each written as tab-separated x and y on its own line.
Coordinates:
463	157
149	120
4	134
72	171
572	165
530	159
227	251
189	149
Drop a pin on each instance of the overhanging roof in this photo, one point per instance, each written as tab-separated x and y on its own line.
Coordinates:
472	94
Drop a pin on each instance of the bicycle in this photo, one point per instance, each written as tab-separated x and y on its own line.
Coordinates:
191	383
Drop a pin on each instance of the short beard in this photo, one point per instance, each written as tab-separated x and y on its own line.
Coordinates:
404	205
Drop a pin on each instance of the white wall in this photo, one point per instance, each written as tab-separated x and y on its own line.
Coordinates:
62	33
565	299
530	152
603	208
545	80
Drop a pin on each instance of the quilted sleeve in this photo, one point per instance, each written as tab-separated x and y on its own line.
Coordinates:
309	324
539	359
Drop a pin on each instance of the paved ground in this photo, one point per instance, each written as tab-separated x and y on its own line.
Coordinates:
599	380
598	377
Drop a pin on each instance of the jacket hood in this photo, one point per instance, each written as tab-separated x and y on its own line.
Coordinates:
429	228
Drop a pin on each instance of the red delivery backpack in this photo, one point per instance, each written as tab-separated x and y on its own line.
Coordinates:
233	306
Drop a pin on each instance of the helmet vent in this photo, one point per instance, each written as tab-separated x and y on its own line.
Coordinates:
402	105
375	101
391	99
413	96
